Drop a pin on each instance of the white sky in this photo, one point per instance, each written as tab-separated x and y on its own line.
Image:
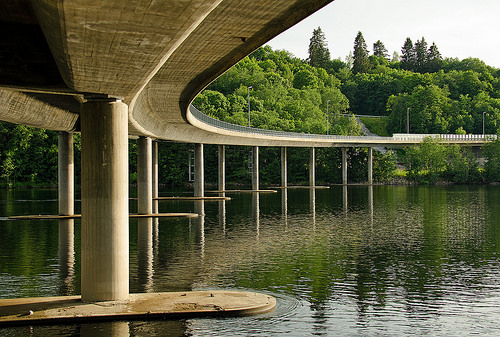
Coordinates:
460	28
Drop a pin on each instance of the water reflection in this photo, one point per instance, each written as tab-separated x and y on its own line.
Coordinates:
344	199
67	255
256	212
108	329
199	208
312	205
222	214
370	203
145	270
400	261
284	205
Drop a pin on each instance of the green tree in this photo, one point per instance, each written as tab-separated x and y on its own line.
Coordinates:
305	79
434	59
492	164
380	51
361	63
319	55
462	166
421	55
213	103
426	162
384	166
408	56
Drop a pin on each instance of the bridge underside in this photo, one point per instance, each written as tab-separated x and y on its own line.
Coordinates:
155	56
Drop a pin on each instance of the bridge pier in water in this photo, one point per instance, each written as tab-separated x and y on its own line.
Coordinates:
312	167
344	166
144	175
66	202
66	174
105	214
145	206
155	176
255	168
284	173
199	174
221	181
370	165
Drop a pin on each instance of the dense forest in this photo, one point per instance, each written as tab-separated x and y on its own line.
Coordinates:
272	89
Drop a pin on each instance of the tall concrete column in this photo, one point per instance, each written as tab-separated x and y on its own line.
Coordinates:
222	168
284	172
144	175
312	167
255	169
344	166
370	165
155	176
105	212
199	174
66	193
66	174
145	206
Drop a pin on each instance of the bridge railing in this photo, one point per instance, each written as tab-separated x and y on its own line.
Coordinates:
444	137
401	137
240	128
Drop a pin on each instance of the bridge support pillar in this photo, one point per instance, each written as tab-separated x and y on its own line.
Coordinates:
255	168
144	175
312	167
145	206
370	165
221	152
199	173
155	176
284	172
66	189
105	213
344	166
66	174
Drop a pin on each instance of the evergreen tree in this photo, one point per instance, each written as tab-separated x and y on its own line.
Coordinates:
379	50
361	63
408	55
319	55
434	59
395	57
420	56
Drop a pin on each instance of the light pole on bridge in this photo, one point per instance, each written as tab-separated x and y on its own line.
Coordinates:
408	120
484	113
327	117
250	87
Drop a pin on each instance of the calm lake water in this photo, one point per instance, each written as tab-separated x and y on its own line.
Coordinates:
356	261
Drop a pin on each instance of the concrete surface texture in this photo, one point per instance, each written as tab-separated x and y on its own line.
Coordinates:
154	55
70	309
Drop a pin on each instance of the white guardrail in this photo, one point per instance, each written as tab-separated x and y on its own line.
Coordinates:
444	137
399	137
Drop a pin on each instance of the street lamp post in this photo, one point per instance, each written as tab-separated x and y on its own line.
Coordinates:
484	112
327	117
250	87
408	120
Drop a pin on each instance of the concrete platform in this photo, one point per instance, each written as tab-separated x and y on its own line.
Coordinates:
239	191
305	187
192	198
78	216
170	305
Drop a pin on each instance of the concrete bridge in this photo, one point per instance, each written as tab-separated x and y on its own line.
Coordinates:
116	69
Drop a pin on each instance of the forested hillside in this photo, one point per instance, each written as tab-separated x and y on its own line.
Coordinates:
444	95
275	90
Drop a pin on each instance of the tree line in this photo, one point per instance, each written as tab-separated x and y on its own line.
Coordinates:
275	90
